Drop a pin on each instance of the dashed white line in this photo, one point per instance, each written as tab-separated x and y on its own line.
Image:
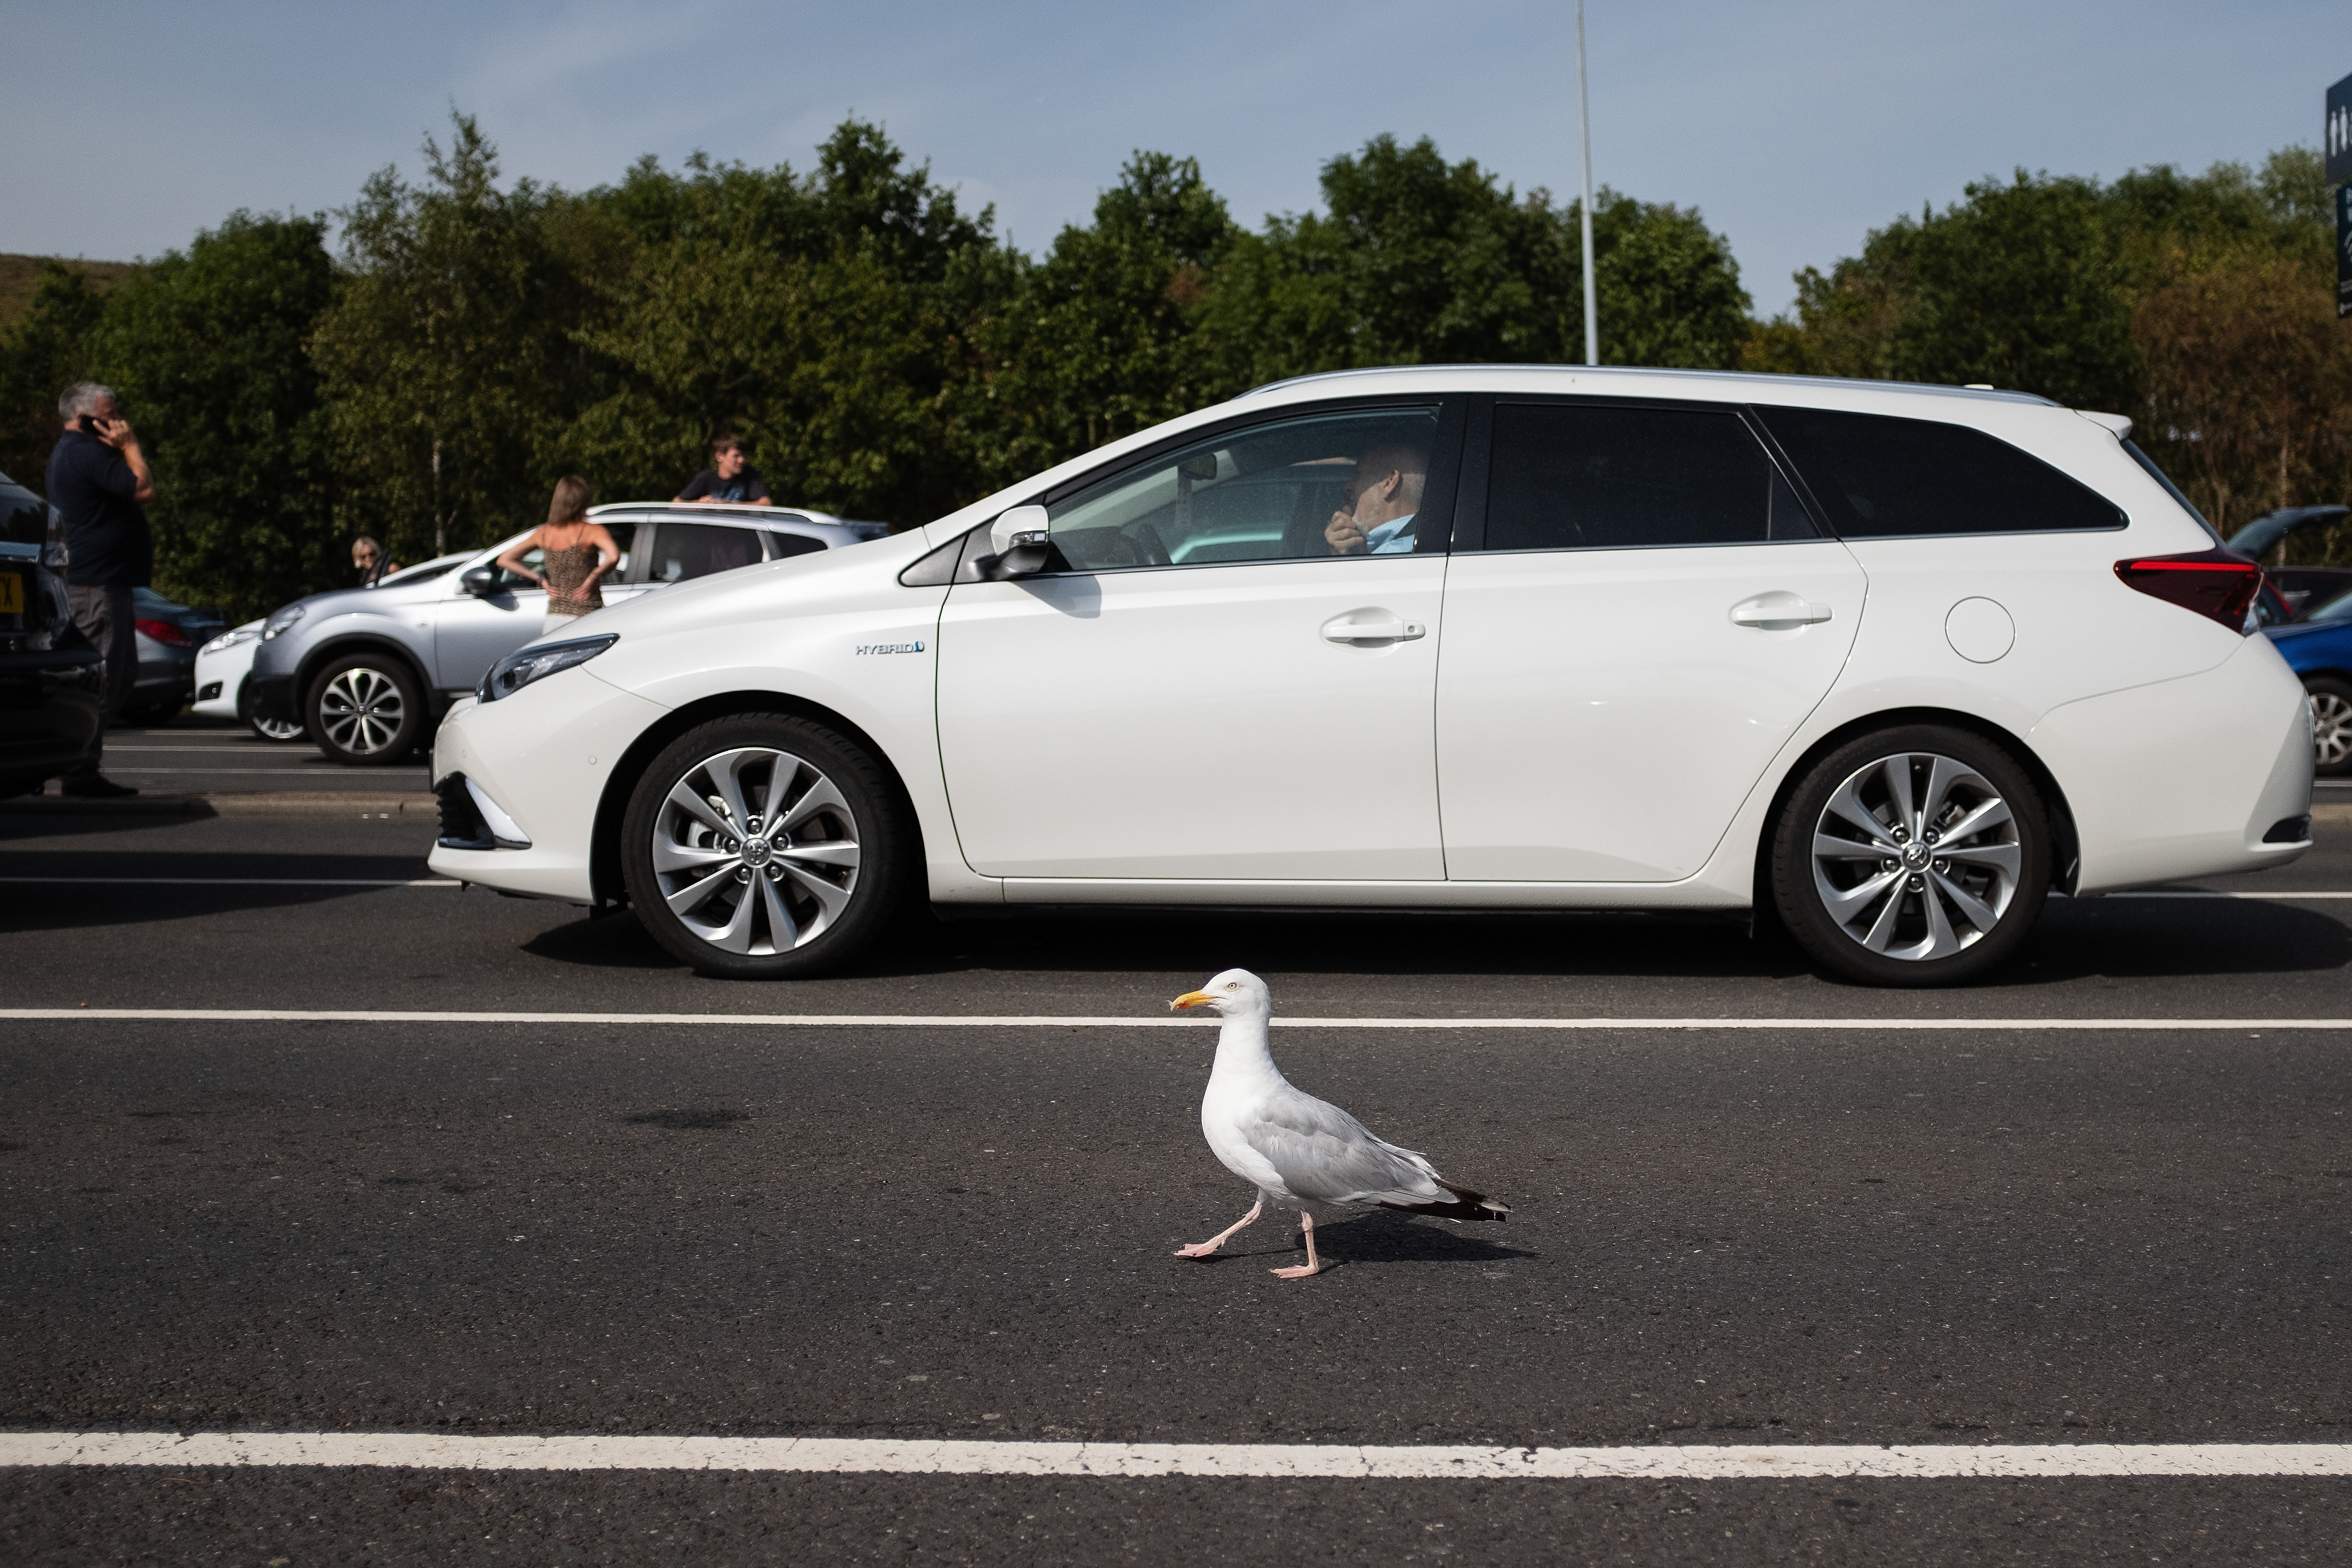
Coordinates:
1147	1021
884	1456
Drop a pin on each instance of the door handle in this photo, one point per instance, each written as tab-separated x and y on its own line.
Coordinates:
1371	626
1778	611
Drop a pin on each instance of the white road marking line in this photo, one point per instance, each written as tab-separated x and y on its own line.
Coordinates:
250	749
2199	894
320	772
836	1456
236	880
1001	1020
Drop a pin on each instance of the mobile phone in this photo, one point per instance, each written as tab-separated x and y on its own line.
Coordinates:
90	424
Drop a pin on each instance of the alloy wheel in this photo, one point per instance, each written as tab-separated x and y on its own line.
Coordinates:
362	710
277	728
755	850
1915	856
2331	728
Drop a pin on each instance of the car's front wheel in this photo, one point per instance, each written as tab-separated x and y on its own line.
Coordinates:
1917	856
2331	726
764	847
366	710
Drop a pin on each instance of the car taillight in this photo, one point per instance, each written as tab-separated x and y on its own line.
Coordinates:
163	632
2217	584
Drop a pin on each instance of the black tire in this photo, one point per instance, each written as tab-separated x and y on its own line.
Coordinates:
824	893
1897	911
271	730
366	709
2331	725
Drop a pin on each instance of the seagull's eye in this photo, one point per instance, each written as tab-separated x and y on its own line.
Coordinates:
1233	985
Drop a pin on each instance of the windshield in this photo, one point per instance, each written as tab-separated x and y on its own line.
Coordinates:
430	570
2337	609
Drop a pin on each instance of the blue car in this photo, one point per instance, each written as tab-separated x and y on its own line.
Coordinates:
2318	647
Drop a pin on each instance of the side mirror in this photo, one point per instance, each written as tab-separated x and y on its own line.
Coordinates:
1022	546
481	581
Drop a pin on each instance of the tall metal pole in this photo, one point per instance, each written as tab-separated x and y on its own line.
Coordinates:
1584	119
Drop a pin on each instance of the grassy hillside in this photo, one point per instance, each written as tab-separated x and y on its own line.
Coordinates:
19	272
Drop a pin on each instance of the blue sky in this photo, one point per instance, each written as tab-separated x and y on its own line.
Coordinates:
1795	127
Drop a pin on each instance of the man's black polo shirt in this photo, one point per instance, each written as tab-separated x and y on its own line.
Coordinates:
107	544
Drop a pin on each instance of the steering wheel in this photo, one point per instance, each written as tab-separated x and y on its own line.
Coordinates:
1147	538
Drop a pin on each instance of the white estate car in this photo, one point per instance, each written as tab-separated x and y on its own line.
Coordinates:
1896	661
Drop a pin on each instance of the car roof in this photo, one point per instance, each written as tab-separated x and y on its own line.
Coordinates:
739	510
1468	377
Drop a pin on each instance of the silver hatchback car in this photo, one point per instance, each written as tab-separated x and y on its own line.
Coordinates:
369	671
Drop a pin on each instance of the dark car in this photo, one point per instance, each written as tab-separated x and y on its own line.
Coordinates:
2300	586
2317	646
169	635
52	684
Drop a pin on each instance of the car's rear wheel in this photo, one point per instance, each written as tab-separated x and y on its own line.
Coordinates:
276	730
1917	856
2331	726
366	710
764	847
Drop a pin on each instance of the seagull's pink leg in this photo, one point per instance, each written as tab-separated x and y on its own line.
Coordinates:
1312	1265
1202	1248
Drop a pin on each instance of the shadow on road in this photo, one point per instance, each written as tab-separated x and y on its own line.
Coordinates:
2118	939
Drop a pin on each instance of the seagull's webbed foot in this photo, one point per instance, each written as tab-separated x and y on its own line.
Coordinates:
1313	1265
1202	1248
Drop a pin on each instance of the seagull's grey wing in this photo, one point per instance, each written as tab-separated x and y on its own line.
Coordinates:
1326	1155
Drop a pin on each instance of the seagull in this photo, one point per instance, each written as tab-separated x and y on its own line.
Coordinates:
1294	1148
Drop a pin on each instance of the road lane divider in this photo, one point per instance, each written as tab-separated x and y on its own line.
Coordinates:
1339	1461
1044	1020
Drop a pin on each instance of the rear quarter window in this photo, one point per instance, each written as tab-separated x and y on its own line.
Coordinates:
1879	477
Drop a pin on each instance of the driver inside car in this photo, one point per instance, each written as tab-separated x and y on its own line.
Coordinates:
1382	498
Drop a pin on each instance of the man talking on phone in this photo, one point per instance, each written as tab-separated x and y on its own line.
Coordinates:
98	483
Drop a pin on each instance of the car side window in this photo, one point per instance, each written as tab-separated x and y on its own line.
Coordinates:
783	547
511	580
683	551
1885	478
1266	492
1576	475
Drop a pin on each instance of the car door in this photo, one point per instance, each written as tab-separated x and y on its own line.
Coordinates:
1639	612
1198	686
472	631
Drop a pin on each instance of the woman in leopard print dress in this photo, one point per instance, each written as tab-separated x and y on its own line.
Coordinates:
574	555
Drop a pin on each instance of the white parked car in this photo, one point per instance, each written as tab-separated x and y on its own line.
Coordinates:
1896	661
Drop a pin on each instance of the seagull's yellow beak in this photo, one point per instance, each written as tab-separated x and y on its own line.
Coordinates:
1191	999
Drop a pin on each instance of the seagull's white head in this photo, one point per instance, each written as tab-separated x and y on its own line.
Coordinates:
1236	993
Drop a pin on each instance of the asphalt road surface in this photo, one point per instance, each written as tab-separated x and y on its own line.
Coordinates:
1963	1233
195	756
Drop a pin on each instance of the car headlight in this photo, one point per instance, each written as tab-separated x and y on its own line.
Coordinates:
518	669
227	639
280	622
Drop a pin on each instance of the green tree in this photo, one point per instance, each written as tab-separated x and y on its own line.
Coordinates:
832	320
43	353
1101	338
1417	261
207	349
447	356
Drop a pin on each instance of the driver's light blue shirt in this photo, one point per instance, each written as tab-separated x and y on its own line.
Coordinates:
1392	537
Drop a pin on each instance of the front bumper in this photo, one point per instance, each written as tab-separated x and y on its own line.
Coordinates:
544	759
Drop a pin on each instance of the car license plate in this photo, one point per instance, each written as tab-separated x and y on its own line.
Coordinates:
12	593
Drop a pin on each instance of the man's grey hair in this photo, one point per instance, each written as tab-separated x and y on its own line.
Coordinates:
82	398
